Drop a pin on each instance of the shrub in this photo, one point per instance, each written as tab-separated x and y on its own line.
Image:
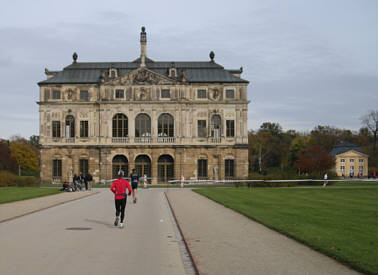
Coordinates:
10	179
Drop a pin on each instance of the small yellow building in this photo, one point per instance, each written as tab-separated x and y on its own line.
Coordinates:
350	161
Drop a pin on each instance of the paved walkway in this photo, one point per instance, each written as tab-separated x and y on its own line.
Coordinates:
51	242
220	240
225	242
17	209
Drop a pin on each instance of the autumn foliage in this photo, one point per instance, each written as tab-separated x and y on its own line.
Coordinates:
24	154
314	160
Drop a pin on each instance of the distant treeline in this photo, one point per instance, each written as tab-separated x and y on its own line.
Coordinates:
273	151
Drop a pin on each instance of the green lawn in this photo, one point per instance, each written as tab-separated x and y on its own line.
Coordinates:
354	183
340	222
9	194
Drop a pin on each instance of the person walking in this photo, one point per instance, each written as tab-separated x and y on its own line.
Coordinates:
119	187
145	182
134	178
325	180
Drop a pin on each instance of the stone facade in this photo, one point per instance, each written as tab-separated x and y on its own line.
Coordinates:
351	164
153	116
350	160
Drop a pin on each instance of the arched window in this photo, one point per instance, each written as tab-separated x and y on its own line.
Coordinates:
143	165
216	126
165	125
70	126
119	163
120	126
165	168
142	126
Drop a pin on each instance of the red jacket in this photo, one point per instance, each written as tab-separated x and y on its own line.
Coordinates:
119	188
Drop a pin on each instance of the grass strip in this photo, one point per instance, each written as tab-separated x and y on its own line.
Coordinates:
339	222
10	194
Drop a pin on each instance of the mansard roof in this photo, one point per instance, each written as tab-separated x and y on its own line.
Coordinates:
345	147
191	71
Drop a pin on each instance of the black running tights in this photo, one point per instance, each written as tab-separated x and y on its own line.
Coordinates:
120	206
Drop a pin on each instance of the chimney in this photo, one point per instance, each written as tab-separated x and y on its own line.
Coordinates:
143	42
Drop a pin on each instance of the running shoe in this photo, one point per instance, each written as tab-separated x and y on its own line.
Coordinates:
116	221
121	225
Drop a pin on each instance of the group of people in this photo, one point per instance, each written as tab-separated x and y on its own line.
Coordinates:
119	187
81	180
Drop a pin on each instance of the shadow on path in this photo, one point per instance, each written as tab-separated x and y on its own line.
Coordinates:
109	225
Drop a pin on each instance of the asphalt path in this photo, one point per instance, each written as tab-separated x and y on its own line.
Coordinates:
79	238
224	242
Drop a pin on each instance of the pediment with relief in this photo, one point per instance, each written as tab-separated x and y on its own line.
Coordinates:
142	76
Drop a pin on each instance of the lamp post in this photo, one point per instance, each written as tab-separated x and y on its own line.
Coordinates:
375	135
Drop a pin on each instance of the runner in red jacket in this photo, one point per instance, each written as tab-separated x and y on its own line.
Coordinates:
119	187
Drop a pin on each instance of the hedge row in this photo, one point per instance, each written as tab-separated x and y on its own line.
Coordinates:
290	176
9	179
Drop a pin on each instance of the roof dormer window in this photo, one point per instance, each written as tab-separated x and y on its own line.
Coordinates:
172	72
113	73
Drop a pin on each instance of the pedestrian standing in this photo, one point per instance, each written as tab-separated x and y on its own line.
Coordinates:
134	178
81	180
119	187
325	180
75	182
88	179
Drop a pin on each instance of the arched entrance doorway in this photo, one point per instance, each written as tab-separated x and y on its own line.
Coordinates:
119	162
165	168
143	165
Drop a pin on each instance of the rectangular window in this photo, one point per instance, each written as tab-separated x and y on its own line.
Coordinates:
56	94
342	160
83	166
230	93
119	94
229	168
201	94
84	128
342	169
361	170
202	169
202	131
56	129
84	95
47	94
57	168
230	128
360	160
351	160
165	93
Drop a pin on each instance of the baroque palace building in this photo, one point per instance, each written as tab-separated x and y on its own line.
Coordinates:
166	119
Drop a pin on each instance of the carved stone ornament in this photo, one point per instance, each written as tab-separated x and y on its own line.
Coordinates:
70	94
144	77
141	77
142	94
215	94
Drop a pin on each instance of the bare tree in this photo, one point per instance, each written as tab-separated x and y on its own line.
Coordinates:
371	121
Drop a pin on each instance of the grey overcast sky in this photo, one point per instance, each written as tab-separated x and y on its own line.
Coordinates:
309	63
